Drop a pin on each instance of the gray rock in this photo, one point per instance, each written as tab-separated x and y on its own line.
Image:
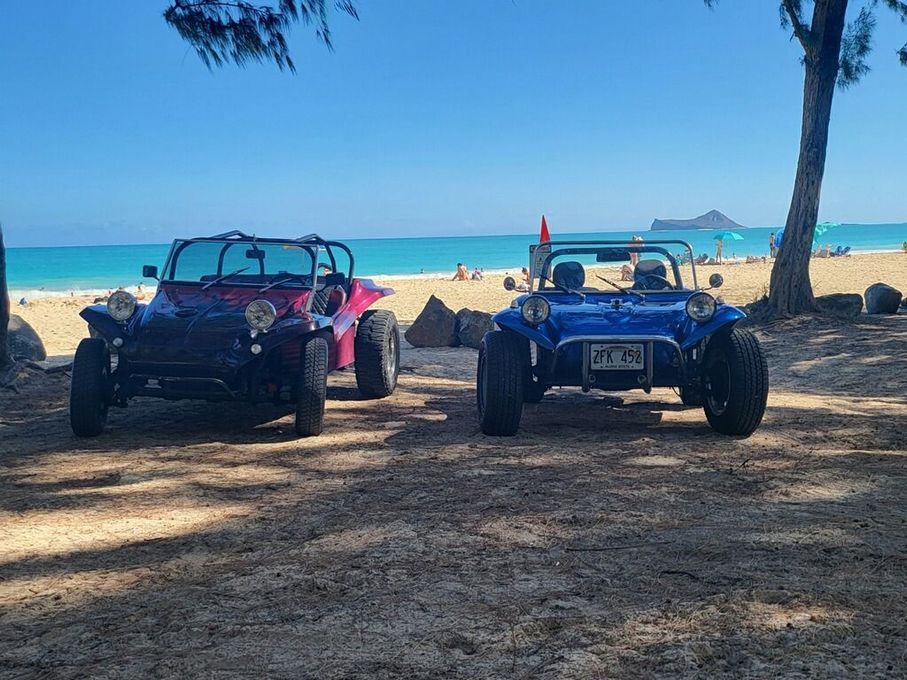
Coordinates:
840	305
472	327
436	326
882	299
24	344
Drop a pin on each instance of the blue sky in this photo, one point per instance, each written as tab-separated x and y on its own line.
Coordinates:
429	118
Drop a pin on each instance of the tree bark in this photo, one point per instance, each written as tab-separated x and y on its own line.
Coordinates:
790	289
4	307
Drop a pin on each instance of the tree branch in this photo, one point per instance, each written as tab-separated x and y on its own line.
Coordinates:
803	34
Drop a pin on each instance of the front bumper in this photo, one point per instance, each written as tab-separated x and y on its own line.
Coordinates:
669	355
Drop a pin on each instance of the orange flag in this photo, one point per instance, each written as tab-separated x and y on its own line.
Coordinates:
544	235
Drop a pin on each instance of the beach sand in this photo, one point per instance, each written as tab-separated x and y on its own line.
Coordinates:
615	536
57	320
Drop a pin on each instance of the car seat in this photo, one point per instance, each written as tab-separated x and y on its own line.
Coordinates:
331	296
569	274
645	272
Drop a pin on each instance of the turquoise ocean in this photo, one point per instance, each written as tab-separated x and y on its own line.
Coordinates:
55	270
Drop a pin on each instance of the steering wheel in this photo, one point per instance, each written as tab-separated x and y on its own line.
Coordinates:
646	277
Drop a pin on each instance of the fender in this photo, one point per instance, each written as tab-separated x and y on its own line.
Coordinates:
512	320
98	318
725	317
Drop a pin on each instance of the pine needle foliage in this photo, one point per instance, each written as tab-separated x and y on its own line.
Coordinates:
242	32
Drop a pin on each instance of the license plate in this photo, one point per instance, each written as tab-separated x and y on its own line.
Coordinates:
614	357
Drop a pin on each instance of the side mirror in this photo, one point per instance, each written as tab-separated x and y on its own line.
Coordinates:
509	283
149	271
716	281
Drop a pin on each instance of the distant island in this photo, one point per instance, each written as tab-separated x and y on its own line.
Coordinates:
713	219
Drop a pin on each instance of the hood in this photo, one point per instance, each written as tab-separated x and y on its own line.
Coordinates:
181	321
662	316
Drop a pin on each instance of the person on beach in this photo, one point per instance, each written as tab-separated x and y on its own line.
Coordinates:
462	273
626	273
523	285
634	256
719	245
476	274
771	244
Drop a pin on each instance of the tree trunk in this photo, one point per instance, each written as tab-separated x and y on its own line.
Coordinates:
4	307
790	290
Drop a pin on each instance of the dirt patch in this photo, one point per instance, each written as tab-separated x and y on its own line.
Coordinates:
615	536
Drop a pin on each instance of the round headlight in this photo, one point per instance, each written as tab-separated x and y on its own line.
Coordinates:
701	307
535	309
121	305
260	314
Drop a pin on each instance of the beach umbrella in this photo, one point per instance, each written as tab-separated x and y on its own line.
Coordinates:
727	236
821	228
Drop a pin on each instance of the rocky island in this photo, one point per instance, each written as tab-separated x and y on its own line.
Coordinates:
713	219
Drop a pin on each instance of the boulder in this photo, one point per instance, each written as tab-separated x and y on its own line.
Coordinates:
436	326
840	305
472	327
23	342
882	299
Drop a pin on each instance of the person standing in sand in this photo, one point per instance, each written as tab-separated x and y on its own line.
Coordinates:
634	256
719	246
771	244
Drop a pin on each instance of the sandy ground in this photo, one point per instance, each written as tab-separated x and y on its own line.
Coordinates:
59	325
616	536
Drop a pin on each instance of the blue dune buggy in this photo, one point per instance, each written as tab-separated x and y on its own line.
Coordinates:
614	316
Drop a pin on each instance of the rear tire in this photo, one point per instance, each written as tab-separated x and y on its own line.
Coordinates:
533	391
312	388
500	383
735	385
377	351
691	396
89	391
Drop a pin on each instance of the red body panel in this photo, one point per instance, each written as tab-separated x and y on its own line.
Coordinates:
363	293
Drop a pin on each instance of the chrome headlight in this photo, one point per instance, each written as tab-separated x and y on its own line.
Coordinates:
261	314
701	307
535	310
121	305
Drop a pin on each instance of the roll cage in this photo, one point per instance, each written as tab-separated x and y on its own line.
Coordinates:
544	253
312	243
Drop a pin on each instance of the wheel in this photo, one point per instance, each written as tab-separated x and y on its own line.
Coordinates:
691	396
89	391
310	391
533	391
735	385
377	354
500	382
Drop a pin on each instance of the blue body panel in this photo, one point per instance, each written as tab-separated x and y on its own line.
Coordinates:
660	321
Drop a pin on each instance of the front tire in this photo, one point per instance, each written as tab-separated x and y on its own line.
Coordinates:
377	351
735	385
312	388
89	391
500	382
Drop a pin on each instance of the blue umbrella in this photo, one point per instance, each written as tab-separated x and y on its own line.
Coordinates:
821	228
727	236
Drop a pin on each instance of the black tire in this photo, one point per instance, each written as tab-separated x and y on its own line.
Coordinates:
735	383
312	387
500	383
90	389
377	354
533	391
691	396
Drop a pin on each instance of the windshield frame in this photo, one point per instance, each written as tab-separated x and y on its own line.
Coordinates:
559	248
312	243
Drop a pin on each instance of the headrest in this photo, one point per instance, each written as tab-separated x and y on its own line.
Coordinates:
649	268
569	275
